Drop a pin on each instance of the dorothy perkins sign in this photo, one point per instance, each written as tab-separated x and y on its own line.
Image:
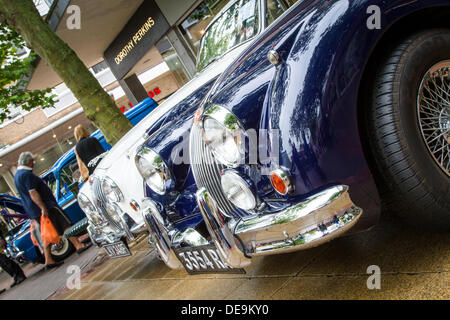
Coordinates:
146	26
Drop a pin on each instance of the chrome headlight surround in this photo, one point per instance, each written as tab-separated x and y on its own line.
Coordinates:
153	169
238	190
89	209
111	191
223	134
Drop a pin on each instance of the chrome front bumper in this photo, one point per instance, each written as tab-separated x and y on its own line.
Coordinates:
106	234
314	221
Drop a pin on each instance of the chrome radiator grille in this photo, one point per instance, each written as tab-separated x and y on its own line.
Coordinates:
99	197
206	173
100	202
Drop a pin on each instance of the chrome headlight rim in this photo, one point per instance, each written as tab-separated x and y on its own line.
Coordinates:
114	188
232	126
84	200
245	186
92	214
159	170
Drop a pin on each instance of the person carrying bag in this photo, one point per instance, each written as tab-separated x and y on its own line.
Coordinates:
42	208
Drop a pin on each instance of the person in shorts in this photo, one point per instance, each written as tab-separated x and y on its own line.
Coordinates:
37	200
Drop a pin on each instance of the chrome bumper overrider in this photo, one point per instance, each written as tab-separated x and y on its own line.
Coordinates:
165	238
316	220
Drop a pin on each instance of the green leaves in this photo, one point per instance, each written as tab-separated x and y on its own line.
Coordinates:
14	74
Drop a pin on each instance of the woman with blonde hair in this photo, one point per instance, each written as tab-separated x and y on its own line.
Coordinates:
86	149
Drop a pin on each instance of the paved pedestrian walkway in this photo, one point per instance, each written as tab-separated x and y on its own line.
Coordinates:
414	265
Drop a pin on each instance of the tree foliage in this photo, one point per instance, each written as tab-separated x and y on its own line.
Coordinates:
24	18
14	72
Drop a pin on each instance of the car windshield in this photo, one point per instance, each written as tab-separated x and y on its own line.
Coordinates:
69	174
237	24
51	183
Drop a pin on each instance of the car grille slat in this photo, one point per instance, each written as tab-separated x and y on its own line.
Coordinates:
207	174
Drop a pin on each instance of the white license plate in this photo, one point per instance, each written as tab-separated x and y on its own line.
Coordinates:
117	249
203	259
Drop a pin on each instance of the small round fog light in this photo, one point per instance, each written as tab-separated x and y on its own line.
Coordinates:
237	190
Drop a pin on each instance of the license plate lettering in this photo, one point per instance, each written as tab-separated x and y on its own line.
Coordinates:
207	261
193	260
187	263
200	260
116	250
203	259
216	259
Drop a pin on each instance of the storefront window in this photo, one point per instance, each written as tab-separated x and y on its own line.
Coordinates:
236	25
173	62
193	27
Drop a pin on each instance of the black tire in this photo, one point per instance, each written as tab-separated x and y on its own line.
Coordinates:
61	251
413	185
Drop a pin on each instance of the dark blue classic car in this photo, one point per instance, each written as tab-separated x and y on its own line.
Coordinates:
335	110
60	177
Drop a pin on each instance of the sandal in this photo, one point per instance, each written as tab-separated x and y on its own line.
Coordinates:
53	265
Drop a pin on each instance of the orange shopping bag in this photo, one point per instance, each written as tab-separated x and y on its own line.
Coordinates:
48	232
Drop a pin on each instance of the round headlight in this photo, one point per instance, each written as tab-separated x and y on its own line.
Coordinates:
152	169
237	190
114	212
86	205
224	135
89	209
111	190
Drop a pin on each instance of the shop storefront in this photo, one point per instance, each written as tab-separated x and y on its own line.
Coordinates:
152	55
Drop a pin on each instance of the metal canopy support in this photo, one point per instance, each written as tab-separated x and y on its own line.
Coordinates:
134	89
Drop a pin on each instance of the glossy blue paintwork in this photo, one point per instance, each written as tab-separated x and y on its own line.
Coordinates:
68	201
310	97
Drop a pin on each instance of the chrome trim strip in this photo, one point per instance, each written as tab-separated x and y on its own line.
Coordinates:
68	204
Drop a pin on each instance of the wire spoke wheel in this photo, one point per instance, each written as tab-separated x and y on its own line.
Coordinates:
433	112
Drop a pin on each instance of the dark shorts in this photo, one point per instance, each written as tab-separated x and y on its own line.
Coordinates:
59	219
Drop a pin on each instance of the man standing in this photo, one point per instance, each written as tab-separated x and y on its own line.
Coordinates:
10	266
37	199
